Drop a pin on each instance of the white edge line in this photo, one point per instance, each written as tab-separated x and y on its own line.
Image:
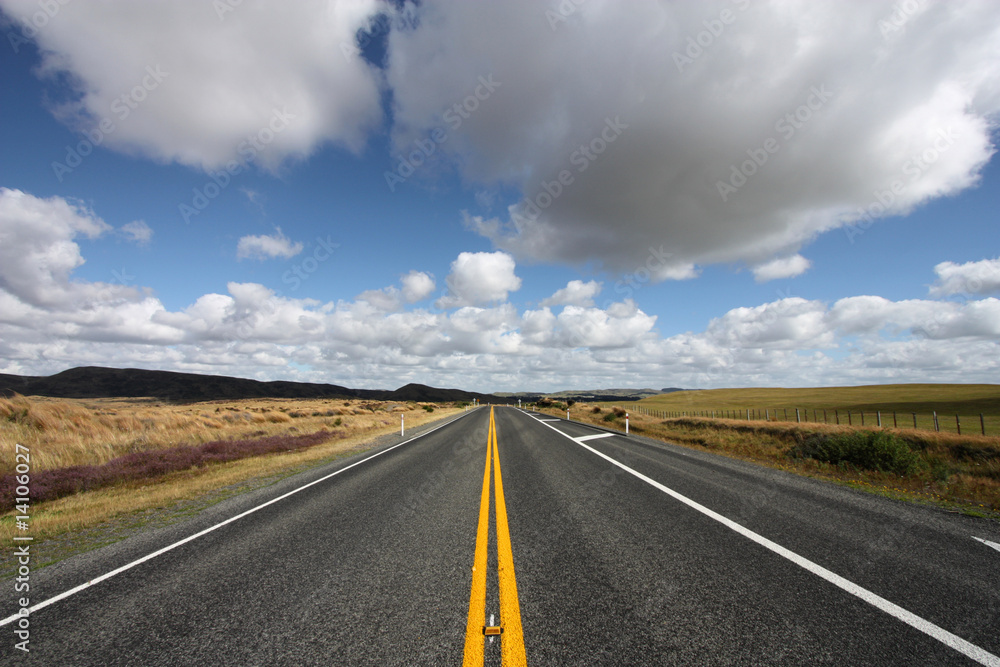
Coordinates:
160	552
967	648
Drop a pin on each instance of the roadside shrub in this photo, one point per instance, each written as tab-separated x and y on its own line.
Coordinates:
429	408
596	410
619	411
871	450
610	417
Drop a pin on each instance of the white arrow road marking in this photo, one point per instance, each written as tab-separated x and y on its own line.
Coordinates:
593	437
987	542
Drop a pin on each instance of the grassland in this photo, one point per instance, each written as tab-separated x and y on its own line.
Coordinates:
90	433
966	400
956	472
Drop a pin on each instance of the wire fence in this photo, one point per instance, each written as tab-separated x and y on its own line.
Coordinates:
950	423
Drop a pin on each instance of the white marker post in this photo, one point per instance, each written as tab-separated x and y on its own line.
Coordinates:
626	423
402	419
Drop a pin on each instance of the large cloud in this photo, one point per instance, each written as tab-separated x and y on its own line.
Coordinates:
719	131
478	278
202	83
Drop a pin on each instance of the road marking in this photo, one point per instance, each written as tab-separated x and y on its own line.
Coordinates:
550	420
477	594
160	552
967	648
594	437
512	652
987	542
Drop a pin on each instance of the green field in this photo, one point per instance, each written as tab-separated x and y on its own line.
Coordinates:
969	401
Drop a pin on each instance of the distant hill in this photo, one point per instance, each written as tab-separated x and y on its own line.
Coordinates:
586	395
99	382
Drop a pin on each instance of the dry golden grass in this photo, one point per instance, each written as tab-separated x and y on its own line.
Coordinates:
62	433
956	470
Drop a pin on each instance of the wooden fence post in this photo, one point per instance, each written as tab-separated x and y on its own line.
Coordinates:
958	425
878	417
982	423
936	425
797	415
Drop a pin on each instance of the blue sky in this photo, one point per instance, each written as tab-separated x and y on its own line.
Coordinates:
503	197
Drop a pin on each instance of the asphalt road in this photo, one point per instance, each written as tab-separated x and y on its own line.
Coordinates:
696	564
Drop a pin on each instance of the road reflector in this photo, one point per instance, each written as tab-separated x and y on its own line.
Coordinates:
489	630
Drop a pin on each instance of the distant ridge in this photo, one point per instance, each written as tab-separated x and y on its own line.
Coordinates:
100	382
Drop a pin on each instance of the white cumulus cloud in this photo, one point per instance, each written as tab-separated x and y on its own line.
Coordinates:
267	246
791	120
982	277
479	278
576	293
185	82
782	267
137	232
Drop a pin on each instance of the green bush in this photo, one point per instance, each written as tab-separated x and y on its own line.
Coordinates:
871	450
610	417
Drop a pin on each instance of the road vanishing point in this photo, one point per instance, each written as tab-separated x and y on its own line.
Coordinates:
507	537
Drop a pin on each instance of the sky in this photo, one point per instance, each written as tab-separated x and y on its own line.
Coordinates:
503	196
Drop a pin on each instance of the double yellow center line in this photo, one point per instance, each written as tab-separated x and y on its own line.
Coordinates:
509	629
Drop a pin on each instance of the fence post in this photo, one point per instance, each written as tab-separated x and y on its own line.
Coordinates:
894	424
878	416
982	423
796	415
849	423
767	414
958	425
836	417
936	426
914	419
825	421
862	417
